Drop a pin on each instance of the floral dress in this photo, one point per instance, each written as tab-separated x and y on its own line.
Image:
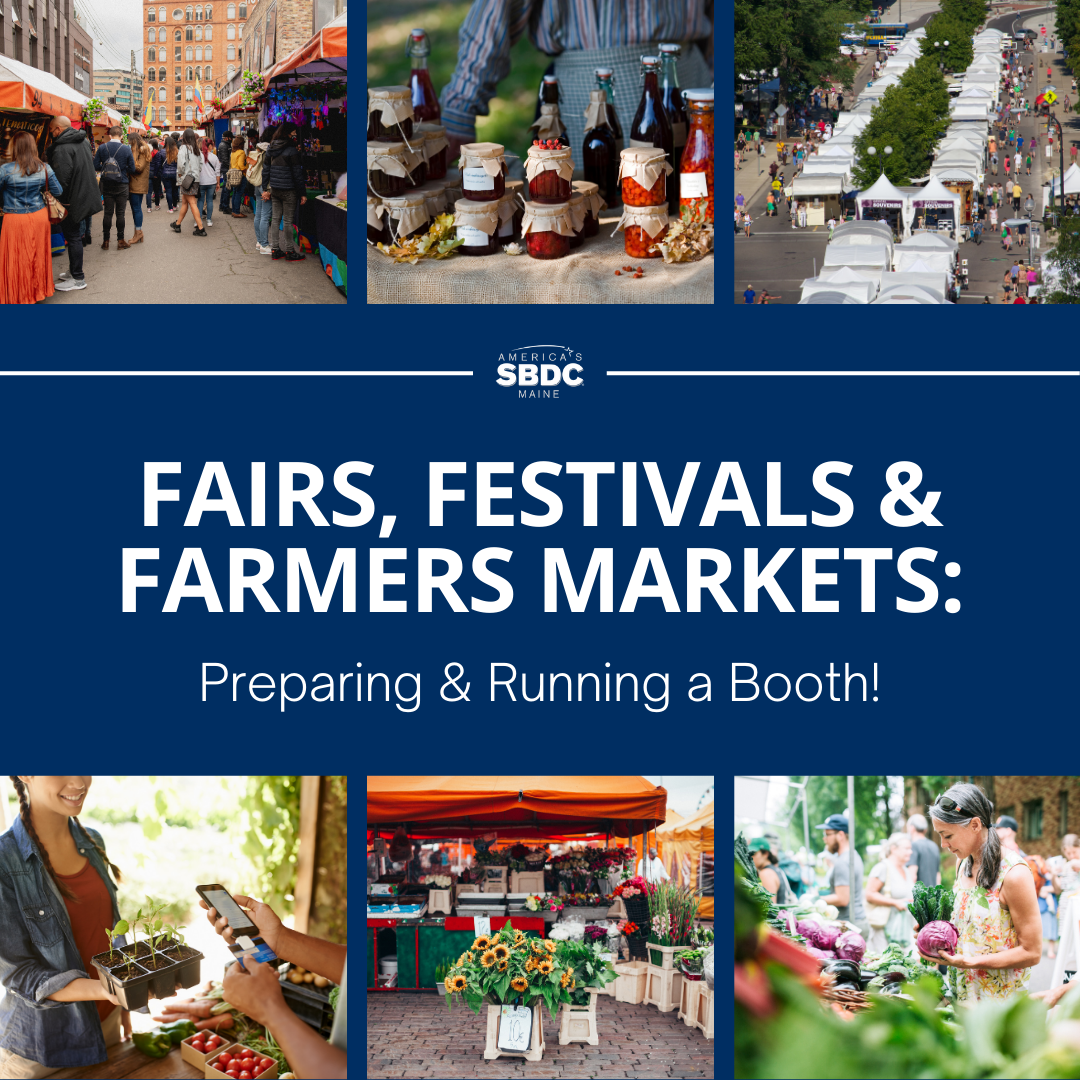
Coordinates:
986	927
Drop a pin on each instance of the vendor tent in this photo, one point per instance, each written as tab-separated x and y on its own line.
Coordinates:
934	196
832	297
1071	185
451	806
27	89
907	294
882	195
690	848
919	260
325	53
855	284
936	282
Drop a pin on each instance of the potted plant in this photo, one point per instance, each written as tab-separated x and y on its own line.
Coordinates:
671	918
584	973
441	971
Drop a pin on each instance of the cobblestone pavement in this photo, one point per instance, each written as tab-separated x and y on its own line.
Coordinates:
416	1035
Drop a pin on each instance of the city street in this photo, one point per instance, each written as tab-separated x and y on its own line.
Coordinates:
221	268
777	259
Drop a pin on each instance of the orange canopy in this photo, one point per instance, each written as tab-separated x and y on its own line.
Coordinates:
30	90
527	806
330	43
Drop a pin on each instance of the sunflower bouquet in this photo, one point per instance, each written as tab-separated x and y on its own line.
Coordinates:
508	968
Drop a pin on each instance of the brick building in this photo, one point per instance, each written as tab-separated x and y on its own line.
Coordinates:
113	85
184	42
1045	807
44	34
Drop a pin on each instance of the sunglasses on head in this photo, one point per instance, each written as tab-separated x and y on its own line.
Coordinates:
950	804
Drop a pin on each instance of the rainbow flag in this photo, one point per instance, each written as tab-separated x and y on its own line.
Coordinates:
198	97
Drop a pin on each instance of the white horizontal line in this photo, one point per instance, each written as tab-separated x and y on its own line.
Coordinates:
660	373
296	373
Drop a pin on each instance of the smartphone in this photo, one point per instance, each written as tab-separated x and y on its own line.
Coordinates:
247	941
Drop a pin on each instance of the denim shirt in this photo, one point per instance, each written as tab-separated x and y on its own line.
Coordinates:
25	194
38	957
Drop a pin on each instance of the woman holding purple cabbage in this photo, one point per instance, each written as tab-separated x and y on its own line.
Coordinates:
995	910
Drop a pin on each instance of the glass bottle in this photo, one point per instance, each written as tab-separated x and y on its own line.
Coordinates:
425	103
549	95
599	155
651	126
696	165
604	79
673	106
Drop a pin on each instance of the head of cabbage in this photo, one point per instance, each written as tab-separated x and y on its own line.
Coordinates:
850	945
937	935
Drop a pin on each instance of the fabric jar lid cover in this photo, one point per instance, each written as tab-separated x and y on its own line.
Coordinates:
547	217
396	94
427	127
409	201
482	151
642	155
652	220
386	149
479	215
586	187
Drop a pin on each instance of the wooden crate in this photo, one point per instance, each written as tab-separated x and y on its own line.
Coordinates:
193	1057
704	1010
527	881
213	1073
663	988
536	1047
630	985
666	954
577	1023
439	901
688	1001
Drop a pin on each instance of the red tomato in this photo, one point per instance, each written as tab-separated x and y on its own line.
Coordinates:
266	1063
247	1052
223	1061
234	1073
245	1075
213	1042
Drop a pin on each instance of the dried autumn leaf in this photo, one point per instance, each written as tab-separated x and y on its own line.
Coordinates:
437	243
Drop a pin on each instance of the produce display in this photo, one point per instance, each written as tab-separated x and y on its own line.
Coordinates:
243	1065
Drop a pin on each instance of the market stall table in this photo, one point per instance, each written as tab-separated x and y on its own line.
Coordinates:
585	276
124	1060
331	226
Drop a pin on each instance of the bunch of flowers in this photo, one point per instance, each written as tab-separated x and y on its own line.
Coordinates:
441	881
553	903
671	912
509	967
584	899
92	109
490	858
635	886
534	903
701	937
520	856
253	86
627	927
596	933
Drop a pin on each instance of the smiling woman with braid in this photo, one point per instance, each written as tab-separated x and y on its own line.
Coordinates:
56	901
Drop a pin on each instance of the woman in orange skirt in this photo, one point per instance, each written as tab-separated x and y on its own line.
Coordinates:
25	237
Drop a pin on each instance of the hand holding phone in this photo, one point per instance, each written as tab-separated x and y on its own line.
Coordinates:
246	935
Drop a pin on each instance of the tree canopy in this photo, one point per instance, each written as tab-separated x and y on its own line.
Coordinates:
1066	258
944	27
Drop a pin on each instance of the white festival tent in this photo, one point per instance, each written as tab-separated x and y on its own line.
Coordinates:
933	196
870	260
907	294
863	234
935	281
975	91
937	261
850	282
933	242
882	194
832	297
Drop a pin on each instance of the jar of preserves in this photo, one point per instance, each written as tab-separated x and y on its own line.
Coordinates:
390	114
696	168
508	219
387	169
477	223
549	173
404	217
436	147
418	172
483	171
577	217
547	229
643	172
593	205
374	219
434	192
453	186
642	227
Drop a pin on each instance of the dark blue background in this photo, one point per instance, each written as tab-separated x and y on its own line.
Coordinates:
999	449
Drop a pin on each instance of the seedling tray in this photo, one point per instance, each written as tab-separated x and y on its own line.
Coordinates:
160	982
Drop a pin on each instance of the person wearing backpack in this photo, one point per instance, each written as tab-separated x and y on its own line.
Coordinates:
237	164
188	168
115	165
209	170
287	191
256	175
168	173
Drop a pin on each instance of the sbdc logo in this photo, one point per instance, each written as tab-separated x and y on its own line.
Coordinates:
538	371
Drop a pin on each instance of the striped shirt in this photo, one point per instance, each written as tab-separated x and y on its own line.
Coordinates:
493	27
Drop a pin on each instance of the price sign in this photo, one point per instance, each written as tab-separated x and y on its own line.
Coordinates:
515	1028
482	925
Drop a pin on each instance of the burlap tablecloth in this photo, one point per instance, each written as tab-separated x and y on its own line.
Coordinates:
585	276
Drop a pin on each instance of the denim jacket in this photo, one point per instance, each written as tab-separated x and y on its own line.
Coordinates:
25	194
38	957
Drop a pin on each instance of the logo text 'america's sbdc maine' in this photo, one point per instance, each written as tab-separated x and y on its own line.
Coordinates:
539	371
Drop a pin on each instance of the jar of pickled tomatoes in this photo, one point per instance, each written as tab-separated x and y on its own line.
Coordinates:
549	173
477	223
696	167
404	217
390	114
643	171
547	229
483	171
642	227
374	219
436	147
434	192
594	203
387	169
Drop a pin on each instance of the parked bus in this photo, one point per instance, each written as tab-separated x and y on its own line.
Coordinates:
886	34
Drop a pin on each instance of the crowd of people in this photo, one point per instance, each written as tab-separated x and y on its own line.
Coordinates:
262	174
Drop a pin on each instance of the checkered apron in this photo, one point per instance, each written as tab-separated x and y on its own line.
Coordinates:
576	72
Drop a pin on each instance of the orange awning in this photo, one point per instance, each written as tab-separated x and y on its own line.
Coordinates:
329	43
527	806
26	88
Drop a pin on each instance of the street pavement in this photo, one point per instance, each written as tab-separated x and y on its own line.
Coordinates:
221	268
